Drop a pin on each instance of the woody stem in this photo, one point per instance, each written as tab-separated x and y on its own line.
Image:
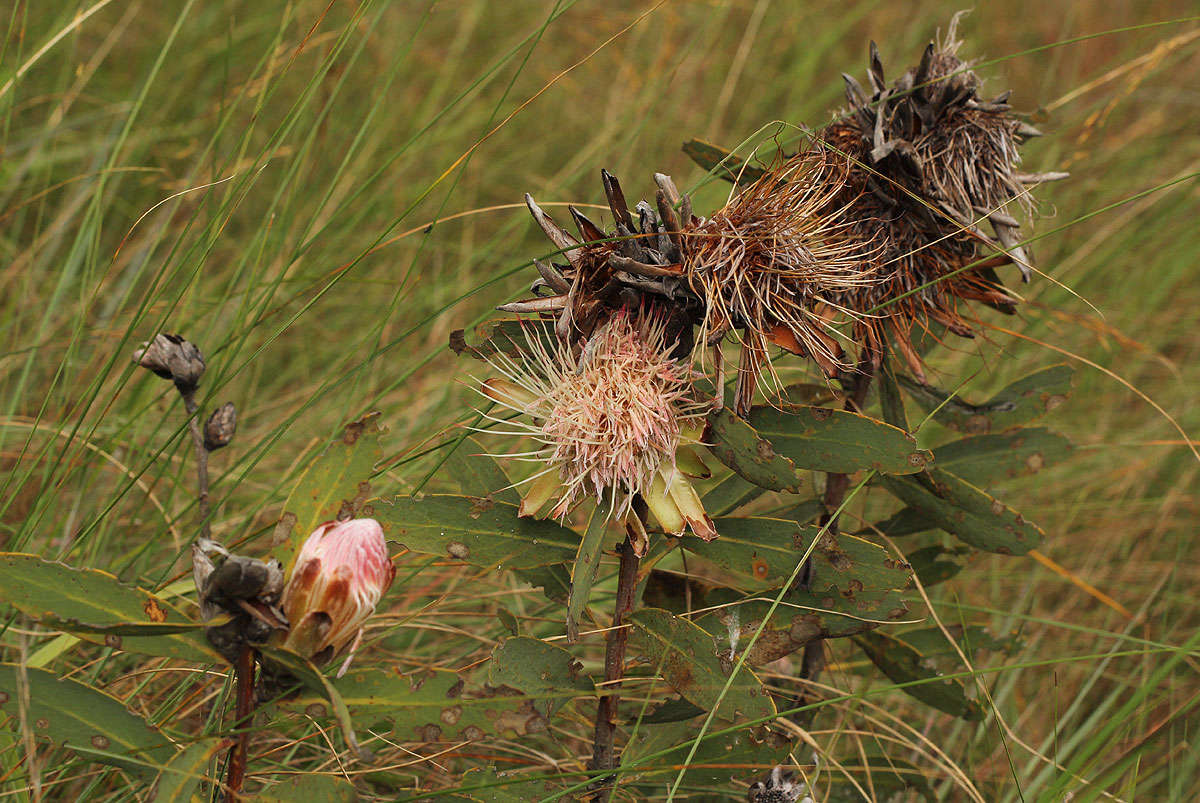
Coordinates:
603	746
244	715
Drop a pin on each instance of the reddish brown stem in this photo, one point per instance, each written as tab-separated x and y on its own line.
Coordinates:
244	714
604	744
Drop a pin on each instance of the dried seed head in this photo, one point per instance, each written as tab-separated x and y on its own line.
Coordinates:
779	786
610	421
220	427
172	357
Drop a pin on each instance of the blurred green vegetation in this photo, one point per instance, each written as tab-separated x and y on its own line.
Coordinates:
318	193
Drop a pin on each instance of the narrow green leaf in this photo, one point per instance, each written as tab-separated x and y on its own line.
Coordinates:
75	715
891	401
903	664
99	608
336	484
183	773
583	570
735	443
721	163
478	474
479	531
688	659
825	439
1025	400
931	642
548	674
966	512
984	459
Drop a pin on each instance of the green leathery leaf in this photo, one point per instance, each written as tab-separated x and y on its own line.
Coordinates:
478	474
554	580
78	716
1025	400
432	707
477	530
761	551
966	512
902	664
854	586
838	441
97	607
547	673
984	459
334	485
722	163
674	710
309	788
183	773
735	443
583	570
891	401
688	660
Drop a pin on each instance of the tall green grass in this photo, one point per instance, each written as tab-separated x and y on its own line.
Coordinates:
318	193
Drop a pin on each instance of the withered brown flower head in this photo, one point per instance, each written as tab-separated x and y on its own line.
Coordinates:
870	230
613	421
172	357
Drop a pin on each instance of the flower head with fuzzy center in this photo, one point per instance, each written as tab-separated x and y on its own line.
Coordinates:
614	422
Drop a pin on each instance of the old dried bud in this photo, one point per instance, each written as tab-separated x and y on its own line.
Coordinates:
172	357
341	573
218	432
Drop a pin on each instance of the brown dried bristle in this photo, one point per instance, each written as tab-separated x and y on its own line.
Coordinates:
859	237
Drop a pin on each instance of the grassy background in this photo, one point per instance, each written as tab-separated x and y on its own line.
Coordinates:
261	177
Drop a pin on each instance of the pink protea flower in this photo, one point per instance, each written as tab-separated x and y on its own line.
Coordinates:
341	573
614	422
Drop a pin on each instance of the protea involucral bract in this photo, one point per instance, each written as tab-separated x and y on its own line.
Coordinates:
339	576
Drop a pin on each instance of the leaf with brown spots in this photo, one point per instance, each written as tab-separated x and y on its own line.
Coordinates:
965	511
94	724
752	457
337	484
1025	400
691	663
97	607
547	673
838	441
489	535
985	459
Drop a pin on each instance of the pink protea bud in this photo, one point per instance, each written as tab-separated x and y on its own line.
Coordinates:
341	573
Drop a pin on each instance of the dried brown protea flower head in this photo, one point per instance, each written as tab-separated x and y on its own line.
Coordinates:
932	160
614	420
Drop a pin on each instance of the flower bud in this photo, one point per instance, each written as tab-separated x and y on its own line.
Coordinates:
341	573
172	357
218	432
